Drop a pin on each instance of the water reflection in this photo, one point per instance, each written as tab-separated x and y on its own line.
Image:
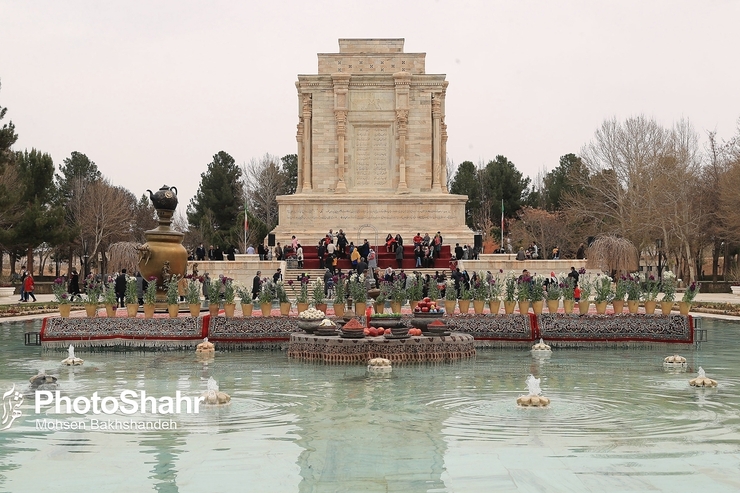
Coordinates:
617	421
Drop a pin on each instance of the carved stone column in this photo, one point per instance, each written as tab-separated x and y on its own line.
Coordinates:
402	120
299	144
341	88
402	82
436	142
307	111
444	155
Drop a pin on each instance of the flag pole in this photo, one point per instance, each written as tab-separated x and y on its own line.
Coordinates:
502	224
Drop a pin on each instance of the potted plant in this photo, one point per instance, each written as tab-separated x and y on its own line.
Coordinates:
537	293
586	285
193	296
302	297
634	292
282	297
650	291
385	288
398	295
93	292
172	296
433	291
669	292
150	297
510	292
267	294
245	295
554	293
620	291
214	297
524	293
568	289
414	290
450	297
688	297
318	296
603	292
131	297
494	293
358	291
110	301
62	297
479	289
229	294
339	295
466	296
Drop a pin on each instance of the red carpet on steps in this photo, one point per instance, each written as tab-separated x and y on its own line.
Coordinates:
385	259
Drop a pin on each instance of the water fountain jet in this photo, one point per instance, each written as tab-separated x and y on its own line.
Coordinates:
71	360
702	380
533	399
213	396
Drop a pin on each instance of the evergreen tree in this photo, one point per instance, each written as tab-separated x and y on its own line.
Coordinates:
9	187
217	207
467	182
290	171
41	221
563	179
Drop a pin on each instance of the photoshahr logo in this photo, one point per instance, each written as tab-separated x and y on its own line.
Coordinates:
12	401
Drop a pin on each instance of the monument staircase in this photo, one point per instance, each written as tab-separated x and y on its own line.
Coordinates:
385	259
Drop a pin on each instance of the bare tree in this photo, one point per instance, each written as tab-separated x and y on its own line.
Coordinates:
263	182
612	254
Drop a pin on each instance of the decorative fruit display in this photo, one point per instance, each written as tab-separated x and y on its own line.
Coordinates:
311	314
427	305
414	332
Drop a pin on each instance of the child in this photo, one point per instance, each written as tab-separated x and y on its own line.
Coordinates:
28	287
577	294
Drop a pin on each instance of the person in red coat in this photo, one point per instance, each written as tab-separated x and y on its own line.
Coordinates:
28	287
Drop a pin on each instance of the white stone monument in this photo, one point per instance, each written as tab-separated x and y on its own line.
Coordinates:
372	148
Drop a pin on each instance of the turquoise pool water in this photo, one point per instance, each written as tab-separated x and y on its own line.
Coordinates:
618	422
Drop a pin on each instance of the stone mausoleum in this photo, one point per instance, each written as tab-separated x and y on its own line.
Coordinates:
372	145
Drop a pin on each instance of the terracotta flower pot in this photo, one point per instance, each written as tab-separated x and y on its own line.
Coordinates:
173	310
91	310
213	309
360	309
666	307
229	309
583	306
478	306
194	309
449	306
553	305
110	311
395	307
684	307
568	306
148	311
379	308
265	308
618	306
524	307
537	307
285	308
464	306
339	309
132	309
302	307
322	307
247	309
494	306
633	306
413	304
509	307
64	310
601	307
650	307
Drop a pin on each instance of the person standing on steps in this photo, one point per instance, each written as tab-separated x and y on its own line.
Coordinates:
120	288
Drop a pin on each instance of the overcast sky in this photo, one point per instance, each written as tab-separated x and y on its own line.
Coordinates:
151	90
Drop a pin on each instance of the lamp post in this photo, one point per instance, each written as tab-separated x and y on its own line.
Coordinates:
661	257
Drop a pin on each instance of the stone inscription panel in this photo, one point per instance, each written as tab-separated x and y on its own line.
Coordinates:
371	101
416	214
371	159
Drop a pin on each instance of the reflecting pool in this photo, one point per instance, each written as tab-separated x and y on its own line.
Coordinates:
617	422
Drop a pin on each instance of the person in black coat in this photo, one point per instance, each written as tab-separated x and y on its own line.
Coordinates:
200	252
120	288
458	251
256	282
74	285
